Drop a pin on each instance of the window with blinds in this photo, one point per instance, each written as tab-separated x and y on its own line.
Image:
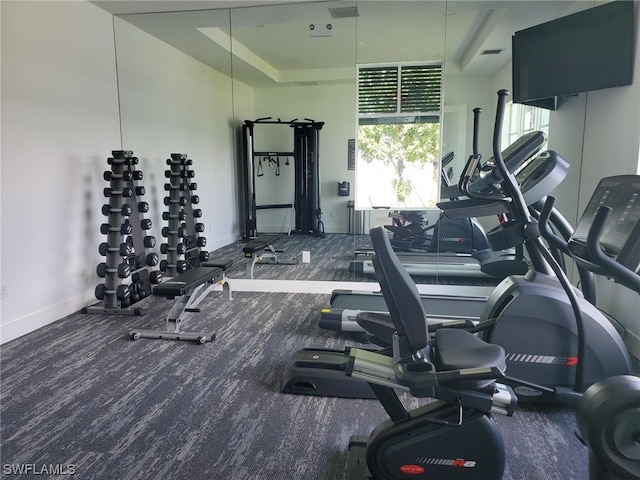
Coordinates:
393	92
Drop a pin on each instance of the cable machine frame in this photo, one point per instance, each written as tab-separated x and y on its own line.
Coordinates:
308	214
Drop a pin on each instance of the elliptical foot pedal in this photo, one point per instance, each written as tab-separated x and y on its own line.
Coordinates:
357	463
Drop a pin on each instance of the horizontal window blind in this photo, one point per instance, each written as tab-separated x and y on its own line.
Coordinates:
395	89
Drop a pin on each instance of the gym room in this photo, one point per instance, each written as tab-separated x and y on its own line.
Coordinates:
158	332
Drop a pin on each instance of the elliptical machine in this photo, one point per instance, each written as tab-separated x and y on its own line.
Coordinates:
557	343
608	416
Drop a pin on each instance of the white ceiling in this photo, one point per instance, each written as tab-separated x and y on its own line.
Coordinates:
272	43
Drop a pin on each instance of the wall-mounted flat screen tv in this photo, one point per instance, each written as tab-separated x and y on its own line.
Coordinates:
589	50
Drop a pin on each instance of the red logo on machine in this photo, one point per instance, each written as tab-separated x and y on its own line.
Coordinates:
412	469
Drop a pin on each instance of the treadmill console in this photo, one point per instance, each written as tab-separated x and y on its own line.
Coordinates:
621	237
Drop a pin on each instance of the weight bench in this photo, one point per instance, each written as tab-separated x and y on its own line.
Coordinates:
188	289
261	251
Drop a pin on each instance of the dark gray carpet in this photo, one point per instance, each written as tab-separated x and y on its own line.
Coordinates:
79	392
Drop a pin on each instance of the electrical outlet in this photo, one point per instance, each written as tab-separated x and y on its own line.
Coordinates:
3	292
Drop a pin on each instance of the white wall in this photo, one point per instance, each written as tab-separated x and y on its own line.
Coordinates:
59	121
171	103
612	147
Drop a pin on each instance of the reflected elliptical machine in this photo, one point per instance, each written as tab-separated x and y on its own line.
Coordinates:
455	436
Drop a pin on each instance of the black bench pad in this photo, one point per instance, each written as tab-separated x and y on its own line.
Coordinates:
187	281
220	263
259	243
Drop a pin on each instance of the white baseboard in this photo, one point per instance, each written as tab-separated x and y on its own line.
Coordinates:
29	323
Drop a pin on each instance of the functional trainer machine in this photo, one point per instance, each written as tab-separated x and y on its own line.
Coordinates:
306	158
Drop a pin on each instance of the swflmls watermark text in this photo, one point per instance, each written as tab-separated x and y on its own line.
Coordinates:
38	469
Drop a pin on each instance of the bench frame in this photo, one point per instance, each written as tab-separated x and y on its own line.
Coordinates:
188	296
260	251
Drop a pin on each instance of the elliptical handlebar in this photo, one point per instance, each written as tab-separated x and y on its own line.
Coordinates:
540	256
476	129
474	159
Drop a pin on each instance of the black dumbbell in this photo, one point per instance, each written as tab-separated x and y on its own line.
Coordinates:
164	265
171	173
182	266
137	174
203	256
123	270
181	201
181	232
140	190
180	216
124	229
199	227
187	173
155	276
152	259
143	207
195	199
145	224
124	249
125	192
109	175
201	241
168	187
114	161
125	210
121	292
197	213
180	248
149	241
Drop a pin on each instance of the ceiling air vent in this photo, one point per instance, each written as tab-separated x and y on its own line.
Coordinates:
344	12
494	51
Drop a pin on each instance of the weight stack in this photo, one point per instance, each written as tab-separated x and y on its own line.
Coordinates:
183	245
128	261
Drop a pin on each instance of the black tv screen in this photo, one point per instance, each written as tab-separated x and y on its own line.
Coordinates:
589	50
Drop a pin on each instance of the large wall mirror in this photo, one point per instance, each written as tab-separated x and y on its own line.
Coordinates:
306	61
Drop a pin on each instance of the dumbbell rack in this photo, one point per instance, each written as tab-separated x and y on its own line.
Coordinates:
130	256
183	246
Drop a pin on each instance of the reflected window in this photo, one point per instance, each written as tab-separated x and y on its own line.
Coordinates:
399	110
521	119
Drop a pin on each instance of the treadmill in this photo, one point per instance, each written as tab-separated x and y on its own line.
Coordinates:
537	179
488	265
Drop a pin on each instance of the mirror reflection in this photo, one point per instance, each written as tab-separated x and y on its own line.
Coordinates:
284	66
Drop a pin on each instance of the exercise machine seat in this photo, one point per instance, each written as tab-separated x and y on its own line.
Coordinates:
458	349
452	349
400	292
